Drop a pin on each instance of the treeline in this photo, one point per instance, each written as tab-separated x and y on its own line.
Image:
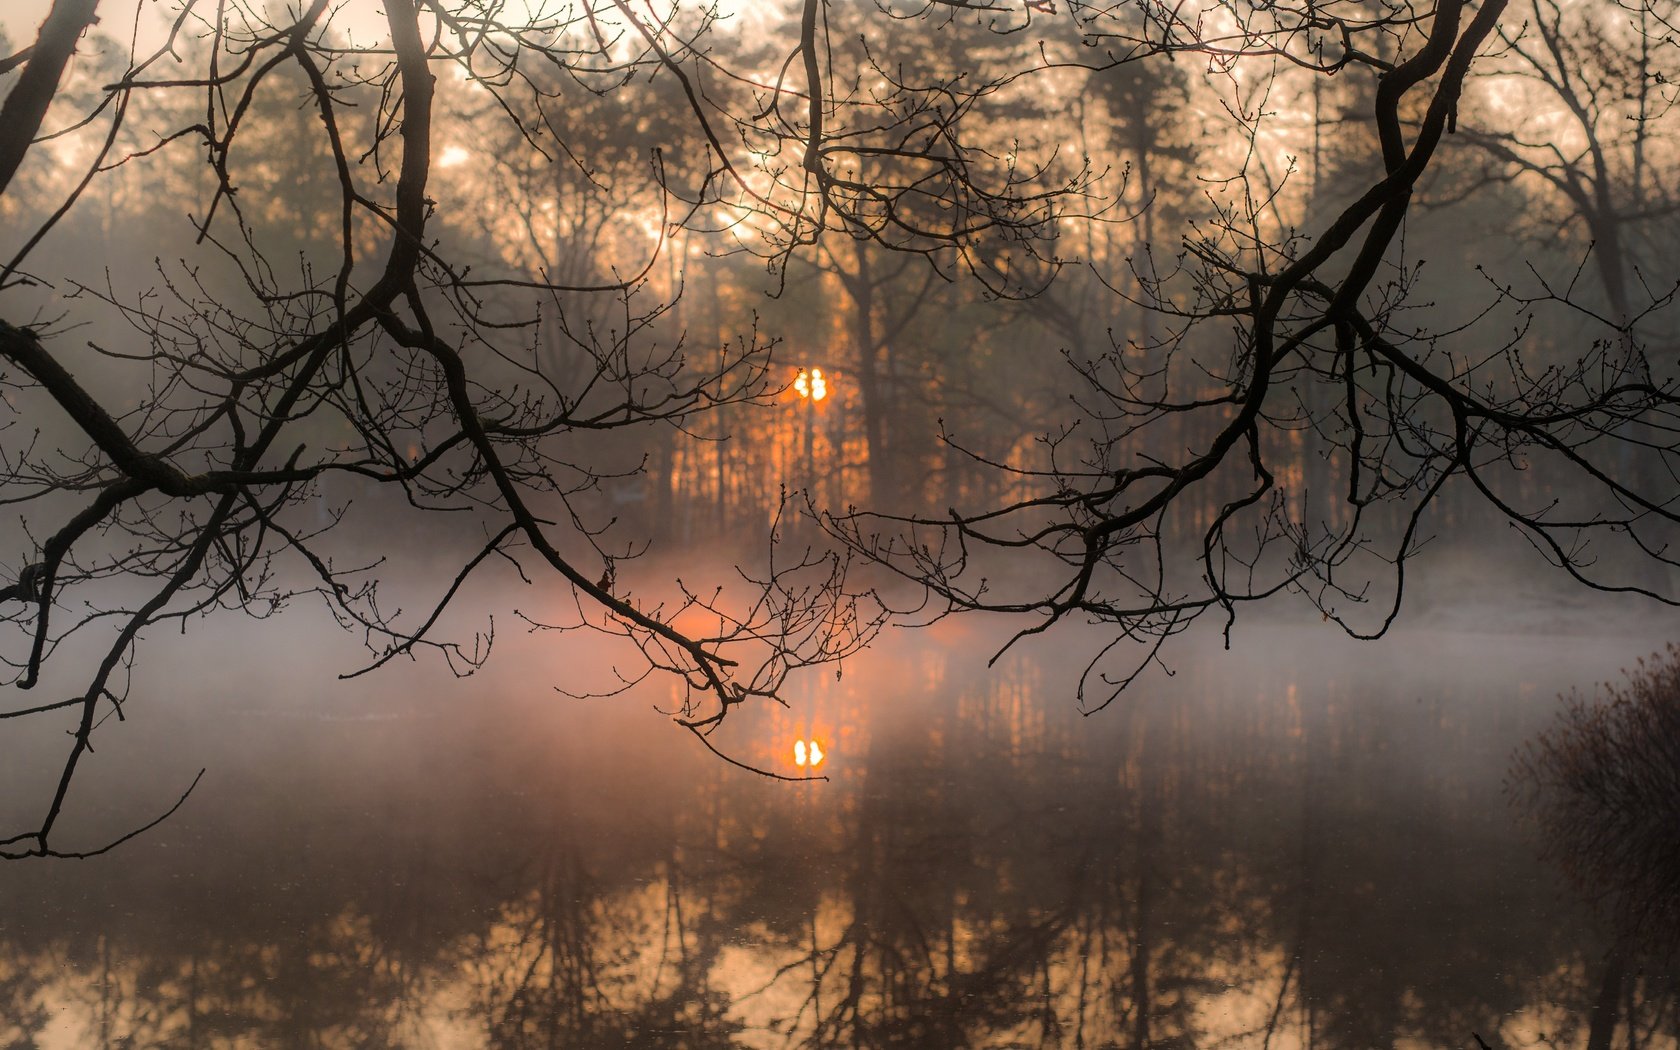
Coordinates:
954	372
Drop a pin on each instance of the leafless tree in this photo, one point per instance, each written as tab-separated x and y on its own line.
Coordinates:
1598	136
1176	490
371	344
206	453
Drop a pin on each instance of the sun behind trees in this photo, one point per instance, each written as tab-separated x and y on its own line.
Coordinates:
513	287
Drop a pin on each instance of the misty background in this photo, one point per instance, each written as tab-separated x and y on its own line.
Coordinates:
1274	836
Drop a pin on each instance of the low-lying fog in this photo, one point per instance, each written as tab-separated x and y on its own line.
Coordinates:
1303	840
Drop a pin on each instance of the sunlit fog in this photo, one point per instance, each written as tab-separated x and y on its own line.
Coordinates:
812	523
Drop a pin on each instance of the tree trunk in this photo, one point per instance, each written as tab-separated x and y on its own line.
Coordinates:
1606	1010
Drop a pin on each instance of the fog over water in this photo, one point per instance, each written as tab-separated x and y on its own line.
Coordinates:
811	350
1301	841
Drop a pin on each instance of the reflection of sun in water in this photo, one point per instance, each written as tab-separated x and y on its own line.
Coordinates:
452	156
804	754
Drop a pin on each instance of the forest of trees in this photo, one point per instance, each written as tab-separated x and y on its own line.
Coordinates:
1123	313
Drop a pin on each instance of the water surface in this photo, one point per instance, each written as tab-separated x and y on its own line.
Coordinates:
1302	842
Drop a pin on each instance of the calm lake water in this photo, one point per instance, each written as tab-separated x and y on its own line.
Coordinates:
1303	842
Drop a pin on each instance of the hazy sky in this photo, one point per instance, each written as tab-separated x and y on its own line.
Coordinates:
20	19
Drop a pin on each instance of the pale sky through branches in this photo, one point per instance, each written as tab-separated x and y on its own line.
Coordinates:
21	19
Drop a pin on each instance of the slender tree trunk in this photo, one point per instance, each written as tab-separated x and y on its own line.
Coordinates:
870	383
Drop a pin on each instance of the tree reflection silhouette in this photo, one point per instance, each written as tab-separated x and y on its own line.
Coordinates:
1266	859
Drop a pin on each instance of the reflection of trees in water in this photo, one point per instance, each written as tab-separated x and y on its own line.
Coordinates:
573	962
1262	863
332	983
1603	783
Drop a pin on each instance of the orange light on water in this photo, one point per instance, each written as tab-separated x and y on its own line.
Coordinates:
807	753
